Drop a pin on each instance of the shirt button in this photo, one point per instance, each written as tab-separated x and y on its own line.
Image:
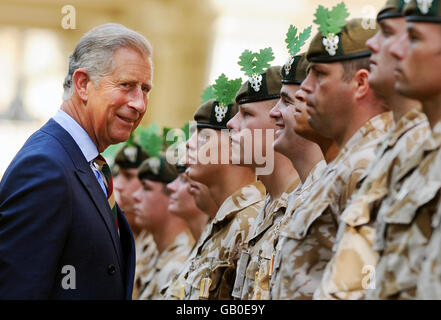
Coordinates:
111	269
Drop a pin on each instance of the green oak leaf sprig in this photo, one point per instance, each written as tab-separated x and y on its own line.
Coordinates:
255	62
331	21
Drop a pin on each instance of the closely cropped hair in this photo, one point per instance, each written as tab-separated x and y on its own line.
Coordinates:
94	52
350	67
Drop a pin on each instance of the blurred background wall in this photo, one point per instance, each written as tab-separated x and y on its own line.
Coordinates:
194	41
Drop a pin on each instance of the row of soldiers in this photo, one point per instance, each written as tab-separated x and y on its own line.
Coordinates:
351	208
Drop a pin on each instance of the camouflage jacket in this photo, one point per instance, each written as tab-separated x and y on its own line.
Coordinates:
429	279
308	239
254	267
212	267
295	199
348	273
404	223
146	253
166	265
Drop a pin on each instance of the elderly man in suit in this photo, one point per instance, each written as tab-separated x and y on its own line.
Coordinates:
62	236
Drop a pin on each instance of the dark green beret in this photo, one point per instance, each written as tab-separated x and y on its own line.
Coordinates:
269	85
157	169
423	11
351	44
294	71
392	9
130	157
211	114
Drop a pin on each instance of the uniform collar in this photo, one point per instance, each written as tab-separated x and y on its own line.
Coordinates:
410	120
242	198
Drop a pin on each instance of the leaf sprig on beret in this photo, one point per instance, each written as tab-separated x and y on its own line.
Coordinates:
331	21
207	94
294	41
150	140
225	90
255	63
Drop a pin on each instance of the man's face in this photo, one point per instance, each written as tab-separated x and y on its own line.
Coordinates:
116	106
205	147
125	184
382	64
328	97
418	55
283	115
252	116
182	203
151	204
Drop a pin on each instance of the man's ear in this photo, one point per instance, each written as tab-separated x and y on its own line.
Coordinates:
80	79
361	79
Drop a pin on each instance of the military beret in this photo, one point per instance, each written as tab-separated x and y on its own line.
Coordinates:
269	84
423	11
130	156
295	72
347	45
157	169
213	115
392	9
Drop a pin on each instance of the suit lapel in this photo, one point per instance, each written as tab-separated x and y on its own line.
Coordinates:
128	246
97	195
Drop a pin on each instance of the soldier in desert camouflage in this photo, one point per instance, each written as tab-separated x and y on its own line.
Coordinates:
410	213
342	106
171	234
253	115
209	271
346	275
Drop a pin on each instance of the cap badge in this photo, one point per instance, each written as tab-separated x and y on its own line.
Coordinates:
131	153
424	5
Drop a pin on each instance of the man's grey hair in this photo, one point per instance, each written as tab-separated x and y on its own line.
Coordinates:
94	52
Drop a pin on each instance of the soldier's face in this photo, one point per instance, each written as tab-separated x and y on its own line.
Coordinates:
418	55
329	98
182	203
382	64
116	106
151	205
283	114
125	184
205	160
251	129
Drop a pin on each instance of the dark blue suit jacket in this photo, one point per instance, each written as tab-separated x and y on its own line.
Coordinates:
53	213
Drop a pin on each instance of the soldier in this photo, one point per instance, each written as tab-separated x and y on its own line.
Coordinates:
343	107
308	150
253	116
171	234
211	268
126	182
410	213
182	204
346	275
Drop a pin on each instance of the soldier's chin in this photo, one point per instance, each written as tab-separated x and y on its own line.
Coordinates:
278	143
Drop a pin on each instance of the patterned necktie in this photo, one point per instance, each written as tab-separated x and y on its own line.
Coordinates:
105	170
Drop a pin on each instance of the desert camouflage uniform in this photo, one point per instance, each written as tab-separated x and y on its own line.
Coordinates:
404	223
295	199
213	262
166	264
249	283
429	280
308	239
146	253
347	274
